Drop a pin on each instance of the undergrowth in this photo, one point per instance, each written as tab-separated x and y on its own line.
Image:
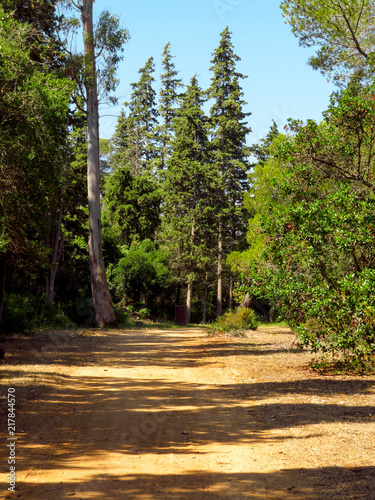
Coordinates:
235	323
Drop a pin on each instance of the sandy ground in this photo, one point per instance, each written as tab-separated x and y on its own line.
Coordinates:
174	414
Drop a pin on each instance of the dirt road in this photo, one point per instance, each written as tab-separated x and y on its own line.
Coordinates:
174	414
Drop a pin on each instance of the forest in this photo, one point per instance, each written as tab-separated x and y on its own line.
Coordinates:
178	208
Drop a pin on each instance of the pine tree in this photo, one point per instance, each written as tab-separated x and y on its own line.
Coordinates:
168	102
228	141
136	136
262	151
189	188
124	147
132	203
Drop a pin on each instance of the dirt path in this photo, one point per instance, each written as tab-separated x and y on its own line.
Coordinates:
173	414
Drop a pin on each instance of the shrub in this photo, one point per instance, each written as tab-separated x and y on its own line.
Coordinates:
144	312
235	323
24	313
122	316
142	275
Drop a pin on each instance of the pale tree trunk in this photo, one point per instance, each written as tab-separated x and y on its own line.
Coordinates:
219	300
231	286
189	296
204	319
247	301
104	312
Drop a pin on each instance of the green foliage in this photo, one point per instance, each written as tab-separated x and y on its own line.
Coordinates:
316	265
33	104
30	313
132	203
136	138
167	105
235	323
122	317
144	312
343	31
110	39
228	135
142	275
189	189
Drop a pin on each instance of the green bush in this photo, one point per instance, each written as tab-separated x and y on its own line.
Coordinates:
24	313
17	313
122	316
235	323
342	320
142	275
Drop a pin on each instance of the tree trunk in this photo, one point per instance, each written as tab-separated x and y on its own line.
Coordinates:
247	301
104	312
219	300
189	296
55	255
204	319
231	286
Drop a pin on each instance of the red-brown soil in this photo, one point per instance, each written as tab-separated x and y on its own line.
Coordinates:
173	414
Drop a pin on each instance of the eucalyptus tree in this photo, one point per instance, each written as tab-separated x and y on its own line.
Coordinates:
106	44
230	153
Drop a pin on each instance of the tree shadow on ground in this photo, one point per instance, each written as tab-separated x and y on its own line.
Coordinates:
64	348
300	484
142	415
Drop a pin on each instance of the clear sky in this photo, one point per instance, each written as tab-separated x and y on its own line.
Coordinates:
280	84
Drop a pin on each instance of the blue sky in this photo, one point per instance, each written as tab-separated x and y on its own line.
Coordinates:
280	84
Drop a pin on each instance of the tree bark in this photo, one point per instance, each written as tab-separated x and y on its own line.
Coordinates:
104	312
247	301
231	286
219	300
204	319
189	296
55	255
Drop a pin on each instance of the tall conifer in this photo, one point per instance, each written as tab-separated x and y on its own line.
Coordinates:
189	188
135	140
230	153
168	102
